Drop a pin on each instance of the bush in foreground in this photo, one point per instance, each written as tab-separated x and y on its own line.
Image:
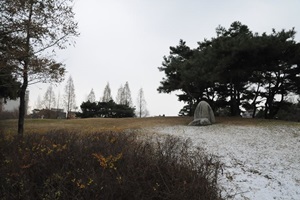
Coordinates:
64	165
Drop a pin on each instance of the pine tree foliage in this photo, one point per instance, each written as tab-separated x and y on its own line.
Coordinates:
105	110
236	69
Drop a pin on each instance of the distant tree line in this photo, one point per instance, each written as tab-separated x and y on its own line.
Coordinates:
107	107
236	69
49	107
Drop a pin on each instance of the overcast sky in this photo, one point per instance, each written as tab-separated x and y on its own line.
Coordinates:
125	40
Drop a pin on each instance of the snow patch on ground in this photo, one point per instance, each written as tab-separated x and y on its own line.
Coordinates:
260	162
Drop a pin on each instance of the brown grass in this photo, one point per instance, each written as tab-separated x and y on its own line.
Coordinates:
90	125
93	124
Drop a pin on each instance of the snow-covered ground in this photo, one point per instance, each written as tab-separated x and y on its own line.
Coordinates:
260	162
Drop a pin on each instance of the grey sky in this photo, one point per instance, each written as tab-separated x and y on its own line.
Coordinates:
125	40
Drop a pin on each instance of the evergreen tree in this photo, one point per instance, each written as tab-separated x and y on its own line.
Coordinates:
105	109
235	69
278	69
233	51
179	75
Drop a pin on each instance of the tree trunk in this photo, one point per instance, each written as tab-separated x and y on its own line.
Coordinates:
25	76
22	108
234	101
267	110
275	108
254	101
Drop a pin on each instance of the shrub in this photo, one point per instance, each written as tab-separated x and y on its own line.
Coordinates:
66	165
105	109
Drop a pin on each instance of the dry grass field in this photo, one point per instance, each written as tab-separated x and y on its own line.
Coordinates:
91	125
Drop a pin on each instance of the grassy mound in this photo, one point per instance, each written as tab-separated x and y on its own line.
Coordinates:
67	165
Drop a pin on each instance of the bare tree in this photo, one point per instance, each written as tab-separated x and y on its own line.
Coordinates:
58	100
39	103
34	28
58	104
141	108
49	98
69	96
106	94
119	95
126	96
91	97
